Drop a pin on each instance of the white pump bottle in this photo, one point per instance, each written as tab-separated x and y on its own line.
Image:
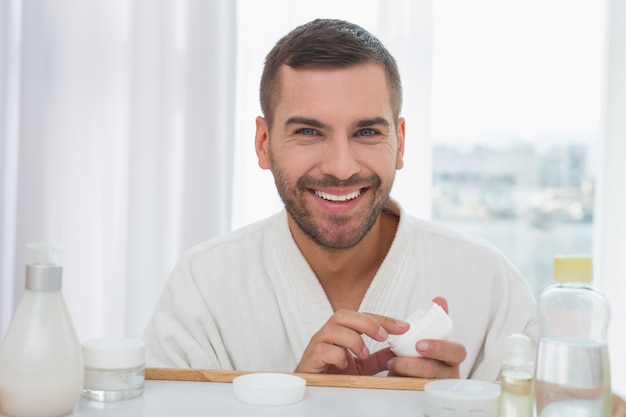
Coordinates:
41	363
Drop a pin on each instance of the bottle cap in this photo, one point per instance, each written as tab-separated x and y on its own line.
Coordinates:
122	353
44	274
517	350
435	324
461	397
269	388
573	268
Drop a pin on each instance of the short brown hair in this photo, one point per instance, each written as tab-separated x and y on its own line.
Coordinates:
328	43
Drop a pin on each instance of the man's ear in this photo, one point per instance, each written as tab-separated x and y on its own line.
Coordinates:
400	134
261	143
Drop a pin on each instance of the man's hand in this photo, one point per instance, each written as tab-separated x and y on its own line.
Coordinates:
619	406
440	358
339	348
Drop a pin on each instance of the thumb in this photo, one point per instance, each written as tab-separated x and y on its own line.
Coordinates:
376	362
442	302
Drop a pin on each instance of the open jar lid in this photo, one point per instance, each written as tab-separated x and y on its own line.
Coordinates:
114	353
432	324
269	388
461	397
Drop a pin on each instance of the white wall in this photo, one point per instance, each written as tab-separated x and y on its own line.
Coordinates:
611	201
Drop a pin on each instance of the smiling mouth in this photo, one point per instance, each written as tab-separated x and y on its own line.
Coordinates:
338	198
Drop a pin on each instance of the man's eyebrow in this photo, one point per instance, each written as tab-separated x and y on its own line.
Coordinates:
374	121
299	120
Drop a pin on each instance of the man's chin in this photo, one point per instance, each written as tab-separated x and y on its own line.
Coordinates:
338	241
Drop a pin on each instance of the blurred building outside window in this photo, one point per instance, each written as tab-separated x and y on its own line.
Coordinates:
516	126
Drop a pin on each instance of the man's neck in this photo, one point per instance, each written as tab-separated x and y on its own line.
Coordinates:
346	275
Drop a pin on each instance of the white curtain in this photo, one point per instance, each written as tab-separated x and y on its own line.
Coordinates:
126	138
9	81
117	144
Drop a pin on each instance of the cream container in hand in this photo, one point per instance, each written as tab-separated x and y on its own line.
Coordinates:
434	324
114	369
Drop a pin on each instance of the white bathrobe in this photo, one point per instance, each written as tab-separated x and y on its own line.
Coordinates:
250	301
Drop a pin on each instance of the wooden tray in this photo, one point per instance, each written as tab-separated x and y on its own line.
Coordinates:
319	380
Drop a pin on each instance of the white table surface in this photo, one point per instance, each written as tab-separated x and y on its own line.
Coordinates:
189	399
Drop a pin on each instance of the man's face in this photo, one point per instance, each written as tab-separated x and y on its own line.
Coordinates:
333	149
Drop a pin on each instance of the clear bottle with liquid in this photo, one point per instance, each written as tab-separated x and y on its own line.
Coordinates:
41	363
517	393
573	372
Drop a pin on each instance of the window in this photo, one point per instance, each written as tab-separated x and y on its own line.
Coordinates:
516	120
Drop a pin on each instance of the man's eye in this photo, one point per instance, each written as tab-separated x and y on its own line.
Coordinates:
307	131
367	132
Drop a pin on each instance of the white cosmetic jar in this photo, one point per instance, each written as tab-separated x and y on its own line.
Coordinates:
461	398
114	369
269	388
434	324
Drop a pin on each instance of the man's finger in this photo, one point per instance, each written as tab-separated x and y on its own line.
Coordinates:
391	325
375	363
422	368
442	302
450	353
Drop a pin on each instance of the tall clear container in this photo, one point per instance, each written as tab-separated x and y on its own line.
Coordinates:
573	373
41	363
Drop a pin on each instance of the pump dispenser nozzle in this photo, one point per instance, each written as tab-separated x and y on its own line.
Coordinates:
46	252
44	274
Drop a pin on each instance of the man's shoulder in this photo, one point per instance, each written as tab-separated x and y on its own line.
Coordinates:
239	242
445	241
436	235
429	229
436	230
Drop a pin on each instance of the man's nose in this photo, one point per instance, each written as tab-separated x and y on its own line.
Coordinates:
339	158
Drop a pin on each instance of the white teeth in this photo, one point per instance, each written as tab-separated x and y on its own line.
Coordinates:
332	197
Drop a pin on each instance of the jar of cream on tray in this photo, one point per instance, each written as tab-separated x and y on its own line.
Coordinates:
114	369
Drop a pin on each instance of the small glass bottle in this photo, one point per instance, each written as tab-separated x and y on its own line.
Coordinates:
517	395
573	372
114	369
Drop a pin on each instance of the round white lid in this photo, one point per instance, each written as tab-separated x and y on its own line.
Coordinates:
269	388
114	353
434	324
461	397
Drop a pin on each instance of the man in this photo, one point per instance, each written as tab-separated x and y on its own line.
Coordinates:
321	285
